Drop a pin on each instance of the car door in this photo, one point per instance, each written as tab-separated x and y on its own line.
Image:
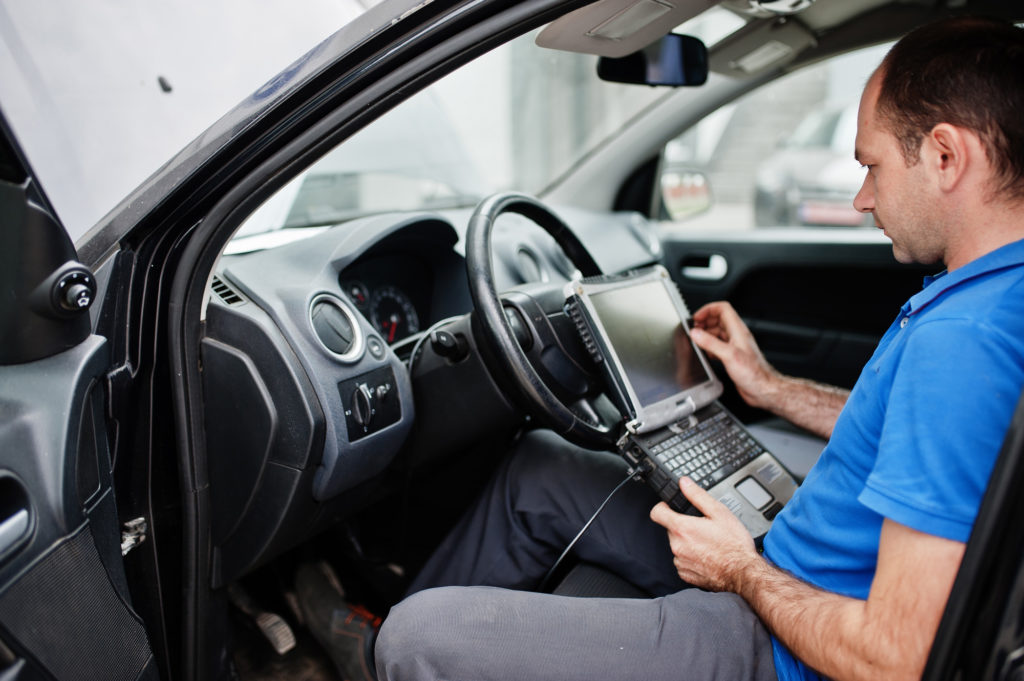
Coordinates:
980	634
65	609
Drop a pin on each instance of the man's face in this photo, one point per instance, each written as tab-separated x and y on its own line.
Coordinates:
900	197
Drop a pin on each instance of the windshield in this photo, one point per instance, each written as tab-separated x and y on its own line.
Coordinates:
101	94
515	119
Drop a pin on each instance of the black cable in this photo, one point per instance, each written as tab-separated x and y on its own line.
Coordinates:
547	577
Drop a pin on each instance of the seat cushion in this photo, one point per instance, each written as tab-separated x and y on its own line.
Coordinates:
589	581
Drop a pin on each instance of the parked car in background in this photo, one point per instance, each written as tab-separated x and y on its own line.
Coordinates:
811	178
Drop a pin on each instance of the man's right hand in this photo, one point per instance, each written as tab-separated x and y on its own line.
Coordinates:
720	332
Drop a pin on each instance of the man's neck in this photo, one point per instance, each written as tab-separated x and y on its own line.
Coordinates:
990	227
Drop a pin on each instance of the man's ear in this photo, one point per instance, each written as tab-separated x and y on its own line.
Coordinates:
949	151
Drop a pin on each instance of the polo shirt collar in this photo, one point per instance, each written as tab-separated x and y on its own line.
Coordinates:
1010	255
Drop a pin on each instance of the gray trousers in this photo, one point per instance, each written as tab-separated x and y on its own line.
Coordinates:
484	624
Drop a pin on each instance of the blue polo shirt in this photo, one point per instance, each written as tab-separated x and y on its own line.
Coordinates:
919	435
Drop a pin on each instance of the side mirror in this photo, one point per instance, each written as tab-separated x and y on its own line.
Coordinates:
684	193
674	60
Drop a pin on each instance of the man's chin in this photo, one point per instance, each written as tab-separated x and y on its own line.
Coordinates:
902	256
905	258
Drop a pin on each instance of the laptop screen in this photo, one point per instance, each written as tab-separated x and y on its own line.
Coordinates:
644	327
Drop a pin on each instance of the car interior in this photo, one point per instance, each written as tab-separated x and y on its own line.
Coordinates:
357	389
360	319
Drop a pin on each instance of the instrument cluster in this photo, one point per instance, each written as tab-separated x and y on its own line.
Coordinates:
383	291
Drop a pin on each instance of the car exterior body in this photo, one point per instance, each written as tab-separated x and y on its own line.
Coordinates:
193	426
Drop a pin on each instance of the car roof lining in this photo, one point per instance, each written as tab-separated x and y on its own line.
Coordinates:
586	29
591	186
615	28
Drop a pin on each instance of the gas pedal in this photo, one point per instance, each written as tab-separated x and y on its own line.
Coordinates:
273	627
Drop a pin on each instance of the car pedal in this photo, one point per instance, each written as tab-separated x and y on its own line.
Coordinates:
273	627
276	631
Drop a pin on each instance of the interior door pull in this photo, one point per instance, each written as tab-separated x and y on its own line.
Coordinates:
713	267
12	528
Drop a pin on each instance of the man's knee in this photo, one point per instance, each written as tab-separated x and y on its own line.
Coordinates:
542	459
413	641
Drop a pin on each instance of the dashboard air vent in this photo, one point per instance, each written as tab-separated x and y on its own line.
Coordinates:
225	292
336	327
529	265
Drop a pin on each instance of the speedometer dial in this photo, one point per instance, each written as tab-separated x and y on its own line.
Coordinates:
392	314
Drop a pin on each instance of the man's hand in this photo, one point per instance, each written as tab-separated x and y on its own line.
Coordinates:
888	636
720	332
710	552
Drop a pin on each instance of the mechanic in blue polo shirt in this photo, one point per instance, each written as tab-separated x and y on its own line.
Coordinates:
857	568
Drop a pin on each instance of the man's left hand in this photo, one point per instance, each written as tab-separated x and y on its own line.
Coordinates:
711	552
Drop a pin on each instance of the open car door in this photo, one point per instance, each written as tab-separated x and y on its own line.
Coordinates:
65	611
981	635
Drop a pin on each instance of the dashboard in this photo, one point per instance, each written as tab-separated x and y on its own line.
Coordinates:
307	352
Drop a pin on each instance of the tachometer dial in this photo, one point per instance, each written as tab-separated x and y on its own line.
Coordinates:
392	314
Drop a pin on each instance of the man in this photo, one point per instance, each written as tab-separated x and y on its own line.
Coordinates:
857	568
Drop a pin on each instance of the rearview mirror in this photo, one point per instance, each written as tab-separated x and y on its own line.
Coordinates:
674	60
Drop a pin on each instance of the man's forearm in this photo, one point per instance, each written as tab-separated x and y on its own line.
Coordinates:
805	403
830	633
887	636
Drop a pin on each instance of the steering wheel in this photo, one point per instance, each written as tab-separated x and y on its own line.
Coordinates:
548	343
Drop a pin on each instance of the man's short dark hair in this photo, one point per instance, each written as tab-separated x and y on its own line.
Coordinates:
965	71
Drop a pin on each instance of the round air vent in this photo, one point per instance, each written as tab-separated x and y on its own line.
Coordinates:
528	264
336	328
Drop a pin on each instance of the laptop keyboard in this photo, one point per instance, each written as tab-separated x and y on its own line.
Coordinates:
709	451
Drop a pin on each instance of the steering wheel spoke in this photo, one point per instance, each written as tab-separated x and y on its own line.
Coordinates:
533	347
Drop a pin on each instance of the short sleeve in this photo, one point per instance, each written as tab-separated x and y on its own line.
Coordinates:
951	401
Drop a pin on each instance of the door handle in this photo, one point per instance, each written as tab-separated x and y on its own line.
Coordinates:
712	267
15	513
12	529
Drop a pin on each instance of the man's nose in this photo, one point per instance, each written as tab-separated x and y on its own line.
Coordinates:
864	201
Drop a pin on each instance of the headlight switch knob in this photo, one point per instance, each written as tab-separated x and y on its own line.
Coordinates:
363	405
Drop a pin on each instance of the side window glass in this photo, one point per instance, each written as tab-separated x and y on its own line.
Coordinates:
781	155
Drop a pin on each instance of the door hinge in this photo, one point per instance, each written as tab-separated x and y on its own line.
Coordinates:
133	534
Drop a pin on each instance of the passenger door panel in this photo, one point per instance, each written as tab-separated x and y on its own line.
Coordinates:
817	302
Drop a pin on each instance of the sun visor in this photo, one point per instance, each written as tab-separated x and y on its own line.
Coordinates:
615	28
759	47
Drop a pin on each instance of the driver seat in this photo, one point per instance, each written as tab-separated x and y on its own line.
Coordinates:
586	580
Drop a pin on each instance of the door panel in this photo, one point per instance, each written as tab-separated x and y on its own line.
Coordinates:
64	610
817	302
